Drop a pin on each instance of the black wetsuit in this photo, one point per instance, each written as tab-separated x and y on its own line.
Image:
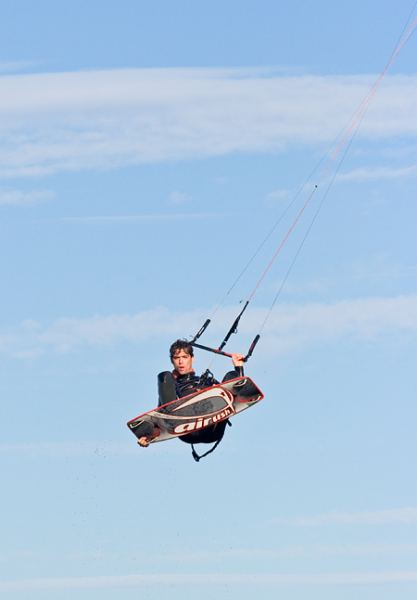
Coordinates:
173	385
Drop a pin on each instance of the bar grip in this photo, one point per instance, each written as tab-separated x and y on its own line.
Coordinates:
201	330
252	347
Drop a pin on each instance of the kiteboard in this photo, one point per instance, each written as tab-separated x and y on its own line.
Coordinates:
197	410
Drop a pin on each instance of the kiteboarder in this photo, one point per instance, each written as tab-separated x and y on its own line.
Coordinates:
183	381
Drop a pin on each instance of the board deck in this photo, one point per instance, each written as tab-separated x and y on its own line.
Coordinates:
196	411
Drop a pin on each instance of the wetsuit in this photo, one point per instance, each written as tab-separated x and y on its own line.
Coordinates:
172	385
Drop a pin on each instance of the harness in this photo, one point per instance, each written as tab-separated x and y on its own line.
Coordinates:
187	384
197	457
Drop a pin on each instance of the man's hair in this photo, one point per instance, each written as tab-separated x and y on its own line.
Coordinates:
181	345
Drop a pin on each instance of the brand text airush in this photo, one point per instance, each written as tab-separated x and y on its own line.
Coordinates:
202	422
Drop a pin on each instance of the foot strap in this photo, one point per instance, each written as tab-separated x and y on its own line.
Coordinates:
197	457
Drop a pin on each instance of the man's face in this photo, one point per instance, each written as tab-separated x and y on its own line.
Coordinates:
183	362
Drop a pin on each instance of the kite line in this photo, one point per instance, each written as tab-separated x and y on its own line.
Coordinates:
336	157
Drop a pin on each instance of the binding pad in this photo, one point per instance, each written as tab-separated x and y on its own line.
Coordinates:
197	410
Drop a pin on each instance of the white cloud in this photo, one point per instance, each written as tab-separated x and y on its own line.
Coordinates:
109	119
81	449
60	449
402	516
15	66
366	318
379	267
277	196
209	579
141	218
237	556
289	327
179	198
21	198
377	173
295	551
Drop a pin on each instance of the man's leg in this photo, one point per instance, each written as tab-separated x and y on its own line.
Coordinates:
166	388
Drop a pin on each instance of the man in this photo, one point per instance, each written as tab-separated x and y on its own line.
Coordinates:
183	381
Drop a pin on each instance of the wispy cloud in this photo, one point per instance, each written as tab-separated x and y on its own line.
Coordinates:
98	449
277	196
209	579
60	449
23	198
179	198
212	557
55	122
16	66
141	218
377	173
380	267
294	551
289	327
366	318
402	516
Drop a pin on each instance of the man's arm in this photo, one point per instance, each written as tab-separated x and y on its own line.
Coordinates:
238	363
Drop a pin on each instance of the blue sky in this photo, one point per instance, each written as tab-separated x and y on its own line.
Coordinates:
145	152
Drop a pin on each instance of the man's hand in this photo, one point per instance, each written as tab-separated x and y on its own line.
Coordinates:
237	360
145	440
